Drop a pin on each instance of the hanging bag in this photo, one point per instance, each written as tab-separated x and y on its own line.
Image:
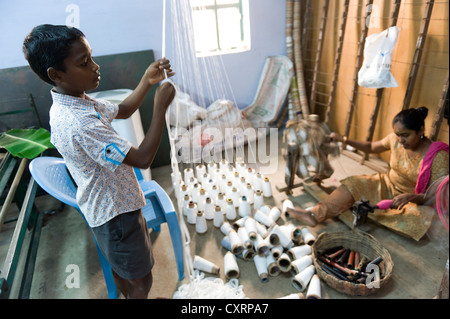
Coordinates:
376	69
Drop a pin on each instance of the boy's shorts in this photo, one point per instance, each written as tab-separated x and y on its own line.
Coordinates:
125	243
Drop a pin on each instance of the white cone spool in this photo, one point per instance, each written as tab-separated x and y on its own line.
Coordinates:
314	291
272	266
275	213
195	193
205	265
235	195
287	204
258	200
261	268
230	212
223	164
265	209
186	201
262	230
226	228
244	207
298	265
250	175
223	183
263	218
239	223
301	280
205	179
221	201
188	173
211	168
277	251
249	192
260	246
184	190
235	242
201	199
248	254
308	237
199	171
218	216
214	191
209	208
267	187
191	213
285	241
258	182
299	251
226	243
200	223
231	268
295	232
245	240
284	262
250	226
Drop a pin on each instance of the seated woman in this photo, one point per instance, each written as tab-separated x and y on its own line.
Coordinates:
415	163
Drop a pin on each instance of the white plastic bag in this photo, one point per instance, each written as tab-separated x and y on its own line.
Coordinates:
376	69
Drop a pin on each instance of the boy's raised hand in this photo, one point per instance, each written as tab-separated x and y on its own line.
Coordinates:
155	72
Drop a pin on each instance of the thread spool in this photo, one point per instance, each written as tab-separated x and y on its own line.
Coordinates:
200	223
184	190
213	191
235	242
265	209
235	196
314	291
245	240
202	194
205	178
236	178
258	200
186	201
295	233
226	243
230	212
221	201
191	213
242	185
188	173
200	169
231	268
287	204
202	264
275	213
298	265
218	216
211	168
299	251
225	228
260	246
228	189
261	230
249	192
248	254
267	187
223	183
250	226
192	181
244	207
250	175
263	218
277	251
209	208
301	280
308	237
285	240
272	239
195	193
272	266
239	223
261	268
284	262
258	182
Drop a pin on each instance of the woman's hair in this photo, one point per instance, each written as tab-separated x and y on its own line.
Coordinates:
412	119
48	46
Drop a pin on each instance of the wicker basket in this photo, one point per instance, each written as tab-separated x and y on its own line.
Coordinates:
359	241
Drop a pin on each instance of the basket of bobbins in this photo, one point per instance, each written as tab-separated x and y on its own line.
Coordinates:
352	262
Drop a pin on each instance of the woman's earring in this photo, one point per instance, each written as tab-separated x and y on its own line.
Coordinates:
422	136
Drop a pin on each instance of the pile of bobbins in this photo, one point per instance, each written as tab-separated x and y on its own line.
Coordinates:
232	197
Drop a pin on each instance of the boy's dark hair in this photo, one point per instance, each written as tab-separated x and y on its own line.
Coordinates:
412	119
48	46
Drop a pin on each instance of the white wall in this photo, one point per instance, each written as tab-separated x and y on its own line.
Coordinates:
118	26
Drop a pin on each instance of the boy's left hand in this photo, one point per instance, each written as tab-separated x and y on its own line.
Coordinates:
155	72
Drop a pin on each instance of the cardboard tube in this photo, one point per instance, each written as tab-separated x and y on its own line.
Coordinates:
231	268
301	280
205	265
314	291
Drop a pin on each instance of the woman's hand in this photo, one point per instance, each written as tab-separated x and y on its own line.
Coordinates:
164	95
335	137
398	202
155	72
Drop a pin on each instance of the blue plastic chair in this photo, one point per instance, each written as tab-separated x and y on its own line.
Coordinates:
52	176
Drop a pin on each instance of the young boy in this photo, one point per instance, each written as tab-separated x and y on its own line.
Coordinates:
99	160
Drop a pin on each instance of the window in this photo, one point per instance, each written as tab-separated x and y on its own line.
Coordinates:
220	26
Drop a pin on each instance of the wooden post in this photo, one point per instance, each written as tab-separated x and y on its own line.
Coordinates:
319	54
418	54
359	61
437	121
337	61
379	93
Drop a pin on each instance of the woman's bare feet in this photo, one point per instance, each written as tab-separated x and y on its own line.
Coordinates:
302	215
